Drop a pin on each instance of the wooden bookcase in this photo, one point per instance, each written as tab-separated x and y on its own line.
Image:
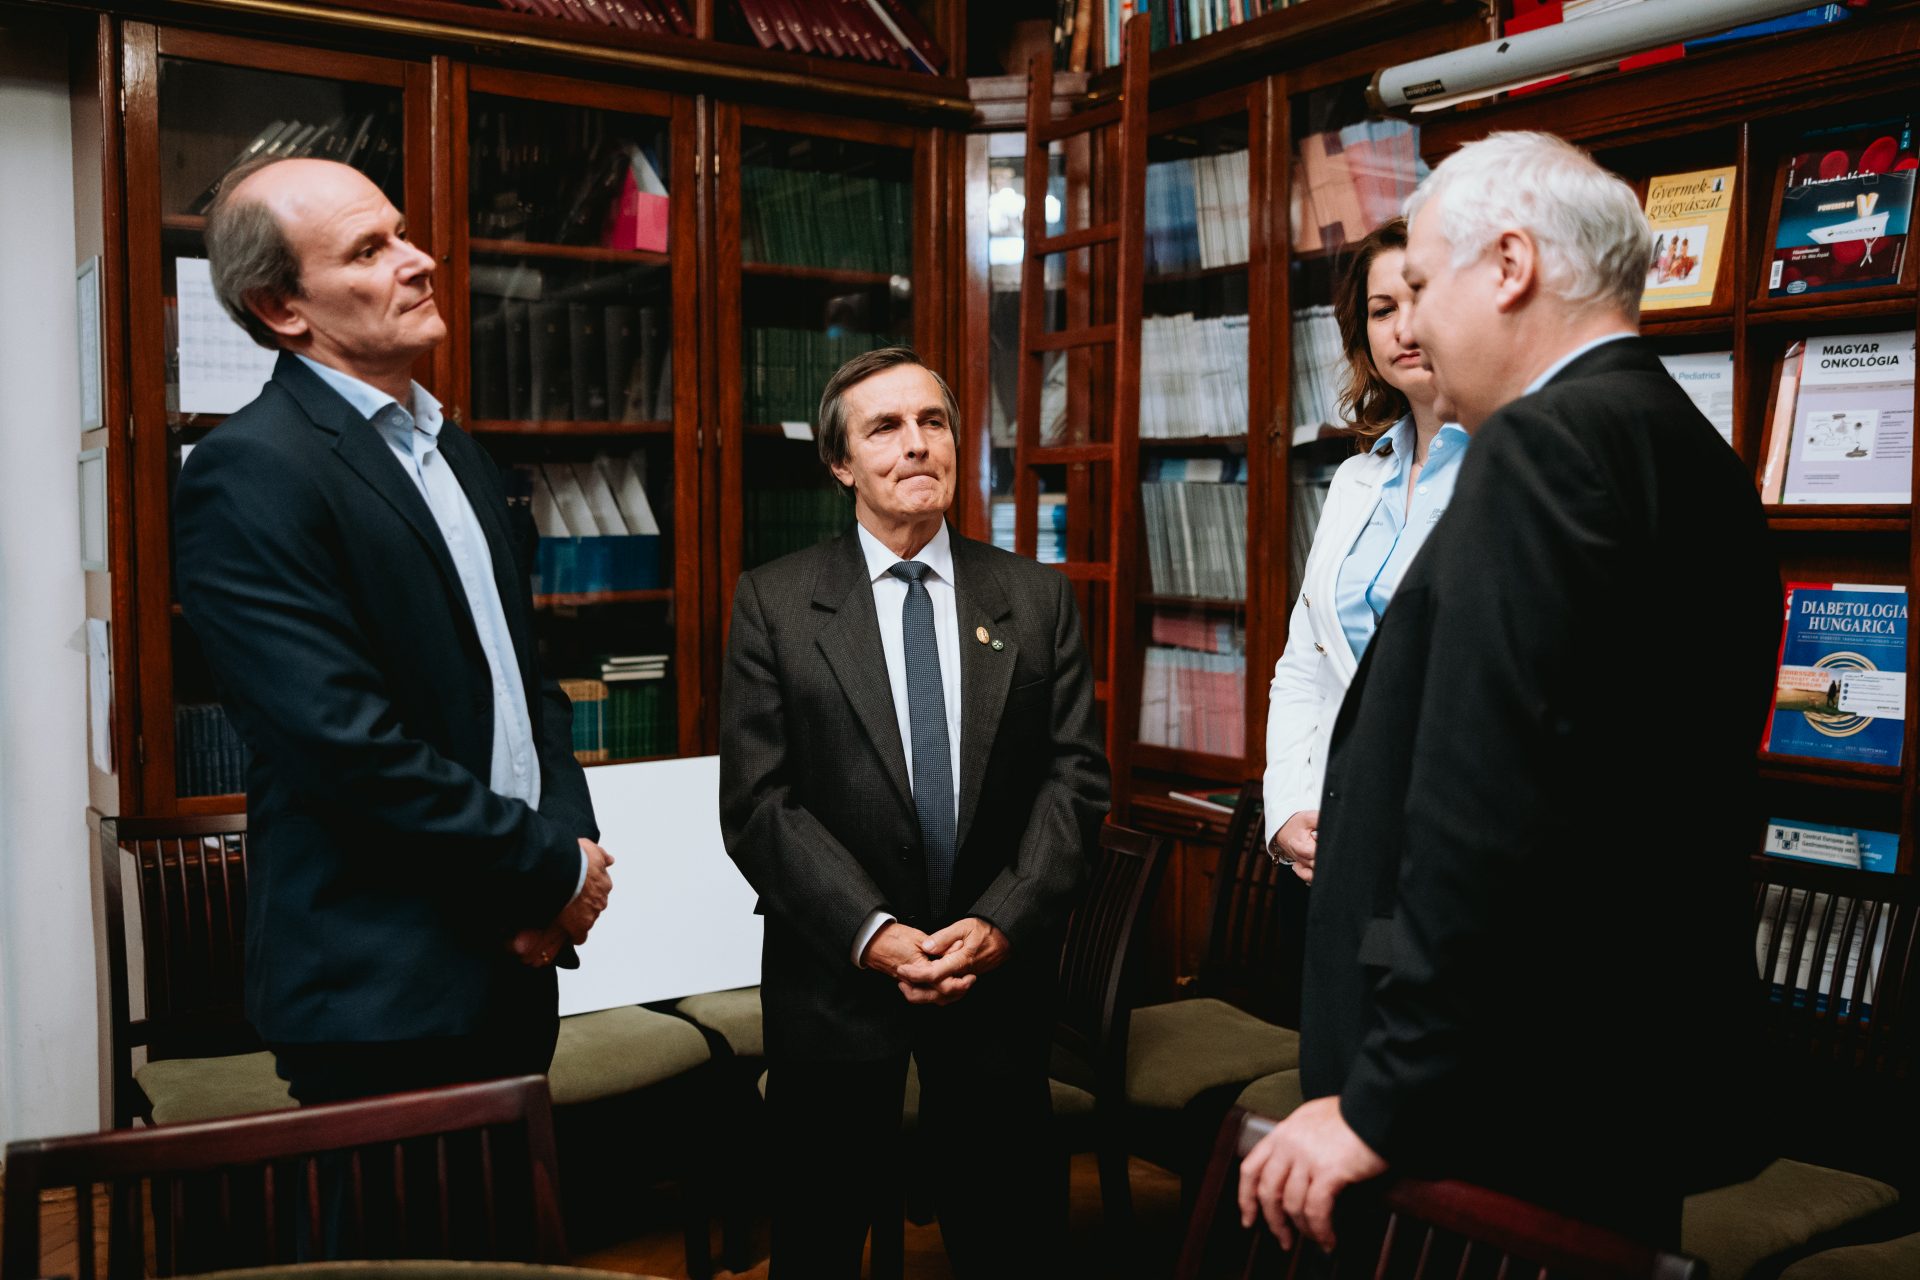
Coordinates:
1742	106
502	232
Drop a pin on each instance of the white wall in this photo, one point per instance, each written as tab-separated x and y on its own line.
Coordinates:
48	1032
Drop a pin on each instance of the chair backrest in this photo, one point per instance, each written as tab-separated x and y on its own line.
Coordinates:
1102	946
456	1172
190	904
1837	954
1257	923
1413	1229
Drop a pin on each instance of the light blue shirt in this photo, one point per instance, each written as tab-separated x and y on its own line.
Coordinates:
1398	527
414	438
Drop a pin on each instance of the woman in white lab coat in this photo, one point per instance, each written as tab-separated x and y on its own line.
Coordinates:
1382	503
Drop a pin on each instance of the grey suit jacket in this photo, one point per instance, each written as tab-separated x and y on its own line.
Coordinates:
817	809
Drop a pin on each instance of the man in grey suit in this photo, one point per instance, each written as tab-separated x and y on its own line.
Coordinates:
911	777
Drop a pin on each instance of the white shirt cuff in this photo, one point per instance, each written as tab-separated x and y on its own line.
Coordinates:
581	883
875	923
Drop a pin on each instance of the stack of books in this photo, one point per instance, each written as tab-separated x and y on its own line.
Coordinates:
566	361
208	757
832	221
1310	481
1194	684
1193	376
1172	21
779	521
561	175
1195	514
597	529
1349	181
370	142
1050	548
786	368
654	17
589	698
639	706
1319	365
882	32
1197	213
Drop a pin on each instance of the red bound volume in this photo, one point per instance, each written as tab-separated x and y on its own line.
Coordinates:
759	23
911	26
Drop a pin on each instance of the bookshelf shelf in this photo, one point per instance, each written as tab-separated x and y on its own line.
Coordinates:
197	805
1830	773
1162	813
1831	519
1226	270
595	764
564	427
822	275
1193	442
1894	303
775	431
1685	324
571	252
1189	764
183	222
579	599
1203	603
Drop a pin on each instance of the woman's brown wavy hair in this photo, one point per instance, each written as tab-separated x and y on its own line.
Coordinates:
1367	399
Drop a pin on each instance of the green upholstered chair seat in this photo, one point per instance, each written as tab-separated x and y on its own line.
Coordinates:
184	1089
733	1015
1275	1095
616	1051
1177	1051
1733	1228
1886	1260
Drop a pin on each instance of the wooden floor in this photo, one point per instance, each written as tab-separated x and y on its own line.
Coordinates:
655	1250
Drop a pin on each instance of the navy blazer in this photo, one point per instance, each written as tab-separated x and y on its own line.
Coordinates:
386	877
1530	943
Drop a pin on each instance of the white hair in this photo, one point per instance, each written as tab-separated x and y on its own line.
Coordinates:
1594	244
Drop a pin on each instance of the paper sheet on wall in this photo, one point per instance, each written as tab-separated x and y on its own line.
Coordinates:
100	694
680	920
221	368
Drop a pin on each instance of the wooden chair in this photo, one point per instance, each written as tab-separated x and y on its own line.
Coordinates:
1191	1059
189	910
1092	1028
1416	1229
1840	1042
222	1194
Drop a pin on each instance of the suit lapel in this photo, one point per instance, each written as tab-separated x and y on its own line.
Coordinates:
359	445
1354	516
850	640
986	673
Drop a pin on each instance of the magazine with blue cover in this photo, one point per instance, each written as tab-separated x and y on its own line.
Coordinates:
1841	689
1852	847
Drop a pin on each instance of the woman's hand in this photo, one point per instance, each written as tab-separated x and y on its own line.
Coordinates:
1299	839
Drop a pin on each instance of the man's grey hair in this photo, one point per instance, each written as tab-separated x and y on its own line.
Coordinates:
248	254
1595	245
832	435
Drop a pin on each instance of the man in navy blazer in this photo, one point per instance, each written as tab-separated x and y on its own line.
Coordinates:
423	844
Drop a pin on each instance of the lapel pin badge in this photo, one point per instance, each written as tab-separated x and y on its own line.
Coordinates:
980	634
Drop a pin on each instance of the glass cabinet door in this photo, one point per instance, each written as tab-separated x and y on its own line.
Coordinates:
198	105
1194	419
818	253
578	341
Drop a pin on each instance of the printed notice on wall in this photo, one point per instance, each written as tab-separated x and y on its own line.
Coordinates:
100	694
221	368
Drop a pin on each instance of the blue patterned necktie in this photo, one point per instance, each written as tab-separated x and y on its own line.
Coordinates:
927	718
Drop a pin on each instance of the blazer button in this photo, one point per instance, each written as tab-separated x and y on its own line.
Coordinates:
906	851
1318	647
1306	599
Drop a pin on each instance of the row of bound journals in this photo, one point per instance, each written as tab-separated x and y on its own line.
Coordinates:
832	221
572	362
1194	511
1196	213
655	17
884	32
624	714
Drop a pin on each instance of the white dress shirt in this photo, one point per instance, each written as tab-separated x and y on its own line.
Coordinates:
889	598
414	438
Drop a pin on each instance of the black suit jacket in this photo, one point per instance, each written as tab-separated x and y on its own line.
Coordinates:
1529	949
817	809
386	876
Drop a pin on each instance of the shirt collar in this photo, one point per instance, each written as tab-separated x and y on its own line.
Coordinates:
936	555
1573	355
370	402
1400	436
